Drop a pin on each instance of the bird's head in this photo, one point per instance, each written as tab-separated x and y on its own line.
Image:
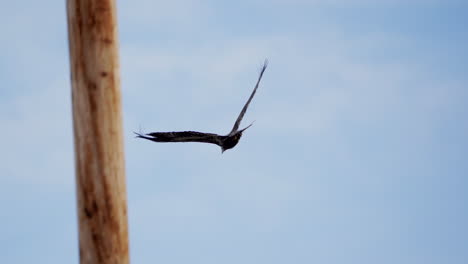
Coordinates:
232	140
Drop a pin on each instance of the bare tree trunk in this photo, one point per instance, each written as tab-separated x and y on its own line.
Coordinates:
97	122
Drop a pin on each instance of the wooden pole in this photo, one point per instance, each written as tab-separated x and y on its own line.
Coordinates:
97	123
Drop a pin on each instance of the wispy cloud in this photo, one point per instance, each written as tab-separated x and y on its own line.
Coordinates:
359	132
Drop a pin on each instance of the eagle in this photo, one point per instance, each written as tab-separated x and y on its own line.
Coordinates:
224	141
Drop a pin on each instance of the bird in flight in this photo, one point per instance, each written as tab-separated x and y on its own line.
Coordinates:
224	141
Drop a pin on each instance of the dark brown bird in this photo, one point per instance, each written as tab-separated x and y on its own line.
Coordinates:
225	142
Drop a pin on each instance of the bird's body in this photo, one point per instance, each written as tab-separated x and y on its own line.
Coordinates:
225	142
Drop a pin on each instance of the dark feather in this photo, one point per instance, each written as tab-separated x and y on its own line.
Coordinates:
244	109
225	142
184	136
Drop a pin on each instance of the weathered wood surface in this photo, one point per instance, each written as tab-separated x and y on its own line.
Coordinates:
97	122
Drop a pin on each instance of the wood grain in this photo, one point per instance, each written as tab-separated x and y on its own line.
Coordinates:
97	123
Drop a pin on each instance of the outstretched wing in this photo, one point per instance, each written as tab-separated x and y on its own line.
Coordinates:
241	115
184	136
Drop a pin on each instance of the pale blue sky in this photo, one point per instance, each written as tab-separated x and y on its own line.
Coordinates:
358	153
